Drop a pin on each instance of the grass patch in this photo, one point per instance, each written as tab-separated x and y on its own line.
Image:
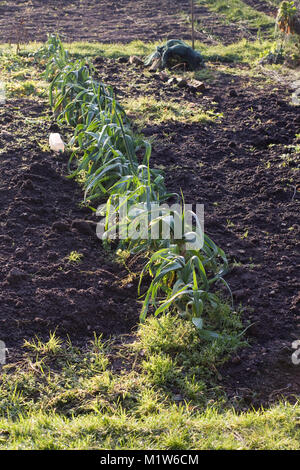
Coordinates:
179	362
166	397
21	76
242	50
239	12
81	49
149	110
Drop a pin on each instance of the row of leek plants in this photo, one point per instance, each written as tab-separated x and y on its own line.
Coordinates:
116	167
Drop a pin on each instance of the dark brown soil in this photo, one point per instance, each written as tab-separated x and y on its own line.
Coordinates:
41	224
251	203
263	6
114	21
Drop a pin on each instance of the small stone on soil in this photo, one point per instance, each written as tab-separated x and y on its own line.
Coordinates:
135	60
16	275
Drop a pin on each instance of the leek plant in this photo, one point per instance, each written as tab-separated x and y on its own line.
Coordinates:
116	164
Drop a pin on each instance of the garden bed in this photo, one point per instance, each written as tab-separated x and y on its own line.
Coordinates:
111	21
240	163
43	287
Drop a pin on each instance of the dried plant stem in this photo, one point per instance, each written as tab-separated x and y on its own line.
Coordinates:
193	25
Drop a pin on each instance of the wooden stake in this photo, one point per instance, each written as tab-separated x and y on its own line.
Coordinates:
193	27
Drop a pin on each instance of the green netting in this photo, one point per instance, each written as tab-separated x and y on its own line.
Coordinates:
175	52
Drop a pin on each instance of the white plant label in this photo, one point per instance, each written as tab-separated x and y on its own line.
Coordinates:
296	354
2	92
2	353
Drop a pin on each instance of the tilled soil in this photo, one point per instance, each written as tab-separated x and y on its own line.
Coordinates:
251	195
41	290
112	21
263	6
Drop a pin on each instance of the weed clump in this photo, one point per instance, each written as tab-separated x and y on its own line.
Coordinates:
178	360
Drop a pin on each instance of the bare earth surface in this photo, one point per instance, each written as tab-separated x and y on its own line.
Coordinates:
114	21
41	224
